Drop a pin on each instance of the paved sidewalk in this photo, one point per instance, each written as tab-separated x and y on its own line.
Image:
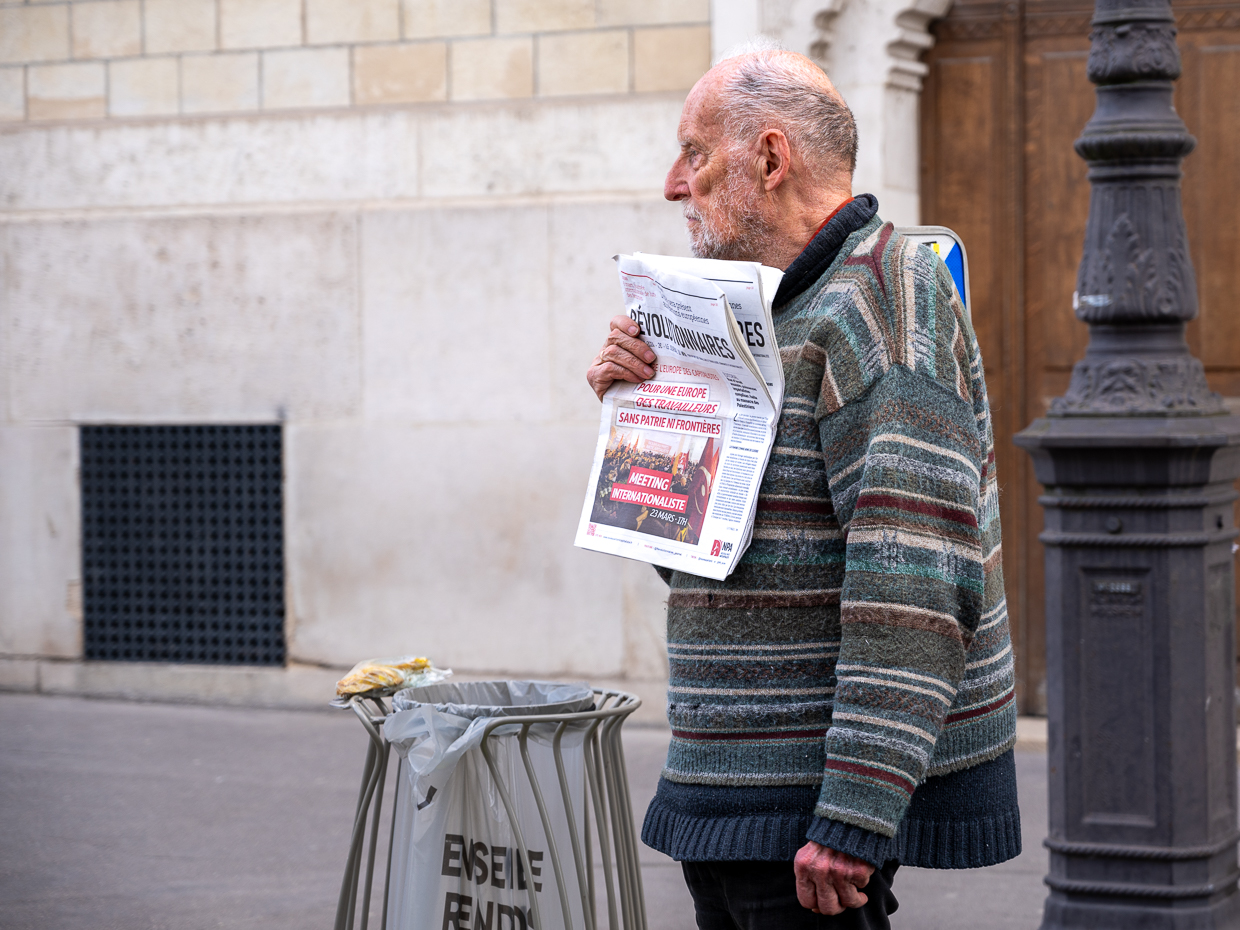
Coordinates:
123	816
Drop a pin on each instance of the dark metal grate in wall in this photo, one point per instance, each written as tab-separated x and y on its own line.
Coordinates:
183	544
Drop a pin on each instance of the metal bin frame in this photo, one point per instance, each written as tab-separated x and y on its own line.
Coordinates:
607	785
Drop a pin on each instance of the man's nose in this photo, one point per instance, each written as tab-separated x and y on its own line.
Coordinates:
675	187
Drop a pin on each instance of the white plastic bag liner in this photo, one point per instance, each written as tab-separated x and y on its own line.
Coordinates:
455	861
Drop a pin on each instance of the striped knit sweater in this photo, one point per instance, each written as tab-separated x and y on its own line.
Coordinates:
861	646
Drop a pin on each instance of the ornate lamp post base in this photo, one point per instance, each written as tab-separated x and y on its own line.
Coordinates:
1138	461
1140	650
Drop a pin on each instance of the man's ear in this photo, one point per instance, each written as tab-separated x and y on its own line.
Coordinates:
774	159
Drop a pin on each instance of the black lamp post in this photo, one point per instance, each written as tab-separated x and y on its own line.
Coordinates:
1138	461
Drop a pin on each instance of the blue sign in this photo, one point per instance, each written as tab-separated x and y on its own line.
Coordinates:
947	246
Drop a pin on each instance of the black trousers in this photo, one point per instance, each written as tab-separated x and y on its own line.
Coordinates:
763	896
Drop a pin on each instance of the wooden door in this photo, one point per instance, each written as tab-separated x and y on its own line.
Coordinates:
1005	98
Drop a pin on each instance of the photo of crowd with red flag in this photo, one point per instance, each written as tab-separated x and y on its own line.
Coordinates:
656	482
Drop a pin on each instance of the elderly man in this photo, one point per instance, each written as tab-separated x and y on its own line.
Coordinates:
844	701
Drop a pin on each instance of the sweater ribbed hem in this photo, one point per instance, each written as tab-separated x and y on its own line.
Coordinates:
873	848
765	837
965	820
776	837
954	844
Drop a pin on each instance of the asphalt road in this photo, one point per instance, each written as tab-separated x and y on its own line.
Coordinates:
127	816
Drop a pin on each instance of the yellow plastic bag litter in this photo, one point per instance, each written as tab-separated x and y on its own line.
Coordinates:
383	677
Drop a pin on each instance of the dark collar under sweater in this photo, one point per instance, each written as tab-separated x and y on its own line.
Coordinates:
816	257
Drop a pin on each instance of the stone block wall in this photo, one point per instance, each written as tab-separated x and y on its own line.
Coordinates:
387	225
101	59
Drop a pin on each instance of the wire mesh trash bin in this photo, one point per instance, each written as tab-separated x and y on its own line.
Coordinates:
511	806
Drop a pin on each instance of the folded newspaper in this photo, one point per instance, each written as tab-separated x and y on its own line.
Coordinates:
680	457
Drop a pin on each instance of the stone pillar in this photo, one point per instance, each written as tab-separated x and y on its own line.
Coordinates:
1138	461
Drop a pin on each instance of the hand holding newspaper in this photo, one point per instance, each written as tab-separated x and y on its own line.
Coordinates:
680	457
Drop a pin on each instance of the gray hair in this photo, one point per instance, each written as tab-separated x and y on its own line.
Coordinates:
769	89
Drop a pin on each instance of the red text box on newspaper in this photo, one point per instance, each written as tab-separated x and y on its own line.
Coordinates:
668	422
703	407
650	489
674	389
646	478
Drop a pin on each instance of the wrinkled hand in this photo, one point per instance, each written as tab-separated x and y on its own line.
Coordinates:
624	357
829	881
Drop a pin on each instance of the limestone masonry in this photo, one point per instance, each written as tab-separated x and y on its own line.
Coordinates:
318	213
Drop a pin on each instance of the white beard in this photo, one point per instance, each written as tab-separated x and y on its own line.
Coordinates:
749	232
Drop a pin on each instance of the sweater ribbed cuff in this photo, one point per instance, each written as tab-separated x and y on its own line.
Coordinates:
873	848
